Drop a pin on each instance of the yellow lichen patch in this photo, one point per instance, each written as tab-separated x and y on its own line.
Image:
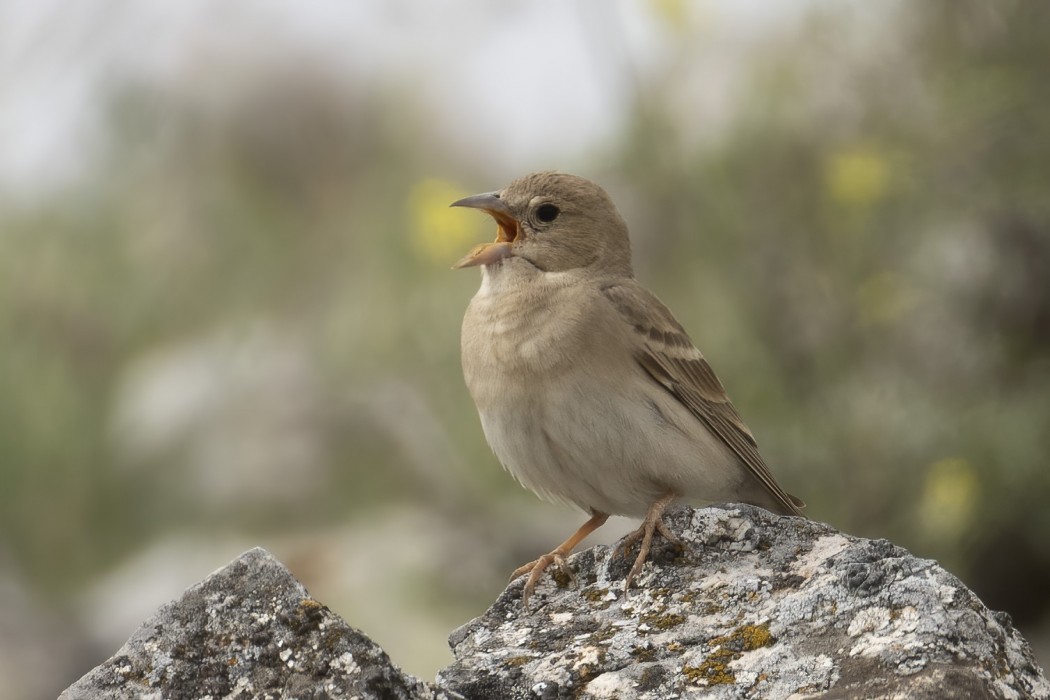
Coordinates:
753	636
309	605
662	621
561	578
597	597
643	653
714	670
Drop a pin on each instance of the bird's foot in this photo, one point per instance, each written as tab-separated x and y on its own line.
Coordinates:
536	568
535	571
652	524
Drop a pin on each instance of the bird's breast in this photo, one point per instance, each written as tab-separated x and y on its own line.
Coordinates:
523	332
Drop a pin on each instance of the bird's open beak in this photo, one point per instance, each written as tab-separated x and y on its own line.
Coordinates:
488	253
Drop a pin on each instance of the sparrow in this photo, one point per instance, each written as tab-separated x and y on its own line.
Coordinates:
590	393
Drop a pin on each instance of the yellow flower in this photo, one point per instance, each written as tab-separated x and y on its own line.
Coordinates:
440	235
949	497
857	177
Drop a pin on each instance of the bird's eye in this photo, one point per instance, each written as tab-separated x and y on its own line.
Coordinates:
547	213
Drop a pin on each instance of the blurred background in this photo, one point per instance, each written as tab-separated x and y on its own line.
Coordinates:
227	317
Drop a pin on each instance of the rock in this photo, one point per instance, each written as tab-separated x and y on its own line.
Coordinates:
249	630
757	606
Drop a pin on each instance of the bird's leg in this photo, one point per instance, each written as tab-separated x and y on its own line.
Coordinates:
653	523
536	568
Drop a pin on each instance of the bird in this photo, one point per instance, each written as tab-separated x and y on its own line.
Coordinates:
589	391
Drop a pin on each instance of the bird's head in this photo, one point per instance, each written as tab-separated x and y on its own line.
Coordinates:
555	222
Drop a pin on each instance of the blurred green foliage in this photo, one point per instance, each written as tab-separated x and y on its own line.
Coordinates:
202	222
875	234
863	254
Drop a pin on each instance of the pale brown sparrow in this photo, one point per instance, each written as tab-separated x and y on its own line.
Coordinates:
589	391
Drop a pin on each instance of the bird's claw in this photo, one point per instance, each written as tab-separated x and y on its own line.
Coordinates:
653	523
535	571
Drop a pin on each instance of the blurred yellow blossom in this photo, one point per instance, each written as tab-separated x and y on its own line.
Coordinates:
949	497
856	177
674	13
440	234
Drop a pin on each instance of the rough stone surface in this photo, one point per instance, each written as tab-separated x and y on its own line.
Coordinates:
757	606
250	630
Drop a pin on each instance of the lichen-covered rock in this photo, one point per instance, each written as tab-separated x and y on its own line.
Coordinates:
250	630
757	606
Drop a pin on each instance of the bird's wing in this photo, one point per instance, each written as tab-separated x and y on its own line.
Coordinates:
667	353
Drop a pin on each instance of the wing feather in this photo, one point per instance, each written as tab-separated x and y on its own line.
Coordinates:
669	356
